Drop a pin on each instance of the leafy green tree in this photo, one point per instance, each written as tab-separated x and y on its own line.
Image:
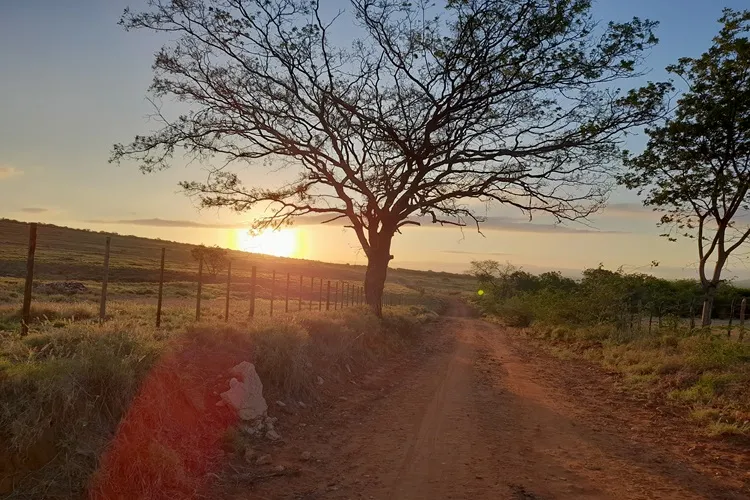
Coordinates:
696	166
432	110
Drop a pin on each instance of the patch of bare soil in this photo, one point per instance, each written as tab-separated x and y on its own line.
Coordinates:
478	413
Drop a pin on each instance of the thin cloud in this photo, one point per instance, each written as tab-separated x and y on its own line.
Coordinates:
627	210
464	252
34	210
7	172
156	222
513	225
491	223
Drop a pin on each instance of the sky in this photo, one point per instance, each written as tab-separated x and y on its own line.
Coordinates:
73	83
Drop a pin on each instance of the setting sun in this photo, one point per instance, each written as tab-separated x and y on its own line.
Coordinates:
281	243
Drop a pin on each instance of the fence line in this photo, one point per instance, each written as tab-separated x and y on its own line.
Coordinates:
346	294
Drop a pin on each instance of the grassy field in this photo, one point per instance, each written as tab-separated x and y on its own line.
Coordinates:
69	385
702	372
65	254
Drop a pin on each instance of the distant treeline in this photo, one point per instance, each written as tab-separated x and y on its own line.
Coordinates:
600	296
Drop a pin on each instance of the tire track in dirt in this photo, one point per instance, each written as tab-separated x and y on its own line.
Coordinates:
480	417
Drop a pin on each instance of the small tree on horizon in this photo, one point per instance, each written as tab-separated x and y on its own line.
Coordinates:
431	113
696	166
214	258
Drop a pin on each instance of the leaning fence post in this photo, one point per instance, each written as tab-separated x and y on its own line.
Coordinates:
731	317
328	296
312	291
161	288
743	305
650	317
286	297
273	291
252	293
26	311
229	287
299	303
336	297
105	279
200	284
320	296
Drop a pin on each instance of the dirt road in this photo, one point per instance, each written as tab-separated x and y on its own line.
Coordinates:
478	414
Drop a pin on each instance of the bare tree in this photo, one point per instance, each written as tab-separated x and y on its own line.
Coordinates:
432	112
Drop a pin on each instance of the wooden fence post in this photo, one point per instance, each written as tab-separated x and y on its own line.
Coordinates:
743	306
200	284
312	290
692	315
348	294
731	317
26	310
320	297
286	297
299	303
161	288
650	318
252	293
105	279
328	296
336	297
273	290
229	287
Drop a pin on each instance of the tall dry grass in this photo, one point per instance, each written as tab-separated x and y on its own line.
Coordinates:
64	390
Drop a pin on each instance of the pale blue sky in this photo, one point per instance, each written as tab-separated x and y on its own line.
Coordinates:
72	83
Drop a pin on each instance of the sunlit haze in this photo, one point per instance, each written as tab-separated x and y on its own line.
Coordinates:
75	84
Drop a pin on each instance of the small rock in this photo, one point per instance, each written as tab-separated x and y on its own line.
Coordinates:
249	454
308	364
245	392
281	404
220	403
348	369
271	420
320	380
306	455
342	398
273	435
263	460
279	468
301	404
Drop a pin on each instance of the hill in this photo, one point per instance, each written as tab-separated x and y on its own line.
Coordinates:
74	254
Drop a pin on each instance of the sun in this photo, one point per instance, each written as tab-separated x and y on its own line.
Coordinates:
280	243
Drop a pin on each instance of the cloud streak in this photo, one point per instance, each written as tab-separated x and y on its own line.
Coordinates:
156	222
464	252
34	210
491	224
8	172
495	223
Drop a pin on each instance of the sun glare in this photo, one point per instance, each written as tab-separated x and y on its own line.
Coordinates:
281	243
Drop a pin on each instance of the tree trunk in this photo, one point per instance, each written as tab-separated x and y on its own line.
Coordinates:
708	304
377	269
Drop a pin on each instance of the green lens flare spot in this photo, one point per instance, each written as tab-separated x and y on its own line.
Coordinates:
480	292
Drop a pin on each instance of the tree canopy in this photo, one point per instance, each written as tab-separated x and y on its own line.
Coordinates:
432	111
696	166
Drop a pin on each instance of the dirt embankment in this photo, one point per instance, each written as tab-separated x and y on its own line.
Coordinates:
476	413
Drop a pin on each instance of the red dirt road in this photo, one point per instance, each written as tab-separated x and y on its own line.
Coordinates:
480	414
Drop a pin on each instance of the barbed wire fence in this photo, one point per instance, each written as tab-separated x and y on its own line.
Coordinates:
329	294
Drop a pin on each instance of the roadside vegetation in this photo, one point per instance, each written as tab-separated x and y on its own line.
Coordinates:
64	391
638	326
